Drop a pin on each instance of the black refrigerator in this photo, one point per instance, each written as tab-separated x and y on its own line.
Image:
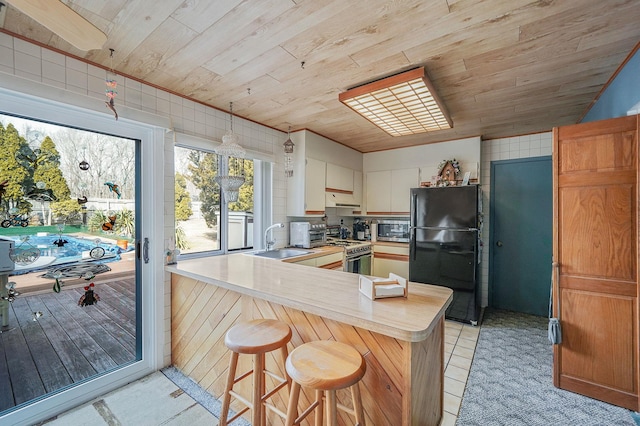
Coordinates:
444	245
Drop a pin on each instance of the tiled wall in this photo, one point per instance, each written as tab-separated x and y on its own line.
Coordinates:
29	61
535	145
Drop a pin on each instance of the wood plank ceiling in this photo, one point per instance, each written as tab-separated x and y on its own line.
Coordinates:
502	67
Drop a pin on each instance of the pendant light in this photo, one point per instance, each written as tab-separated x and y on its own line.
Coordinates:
231	164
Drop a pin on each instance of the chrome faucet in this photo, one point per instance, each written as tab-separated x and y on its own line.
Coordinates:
269	243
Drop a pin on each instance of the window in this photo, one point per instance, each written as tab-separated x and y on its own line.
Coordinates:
204	222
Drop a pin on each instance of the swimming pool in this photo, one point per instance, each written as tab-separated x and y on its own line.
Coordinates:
76	249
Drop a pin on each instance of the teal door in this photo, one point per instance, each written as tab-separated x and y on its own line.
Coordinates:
521	226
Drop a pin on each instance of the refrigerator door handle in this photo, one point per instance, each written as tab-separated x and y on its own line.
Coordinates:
414	203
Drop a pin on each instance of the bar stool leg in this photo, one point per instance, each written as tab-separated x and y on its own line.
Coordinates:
258	389
357	405
293	402
320	408
284	352
226	401
332	409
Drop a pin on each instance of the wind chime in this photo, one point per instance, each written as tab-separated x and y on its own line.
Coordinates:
111	84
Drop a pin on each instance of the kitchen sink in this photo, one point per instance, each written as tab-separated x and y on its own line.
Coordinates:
282	253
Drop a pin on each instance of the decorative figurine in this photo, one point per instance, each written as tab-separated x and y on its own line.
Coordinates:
114	188
108	226
89	297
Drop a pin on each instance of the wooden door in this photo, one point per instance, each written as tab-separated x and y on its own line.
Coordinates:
521	235
595	248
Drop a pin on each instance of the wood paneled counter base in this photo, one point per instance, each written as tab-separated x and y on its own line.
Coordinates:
401	339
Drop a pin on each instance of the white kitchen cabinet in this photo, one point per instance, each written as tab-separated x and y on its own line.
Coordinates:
307	197
379	192
388	191
387	258
329	261
339	178
357	187
315	173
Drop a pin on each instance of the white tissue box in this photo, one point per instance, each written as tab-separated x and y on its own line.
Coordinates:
379	288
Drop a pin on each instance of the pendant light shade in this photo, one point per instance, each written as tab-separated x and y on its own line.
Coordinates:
231	164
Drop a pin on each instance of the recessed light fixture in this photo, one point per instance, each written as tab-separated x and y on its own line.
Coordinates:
402	104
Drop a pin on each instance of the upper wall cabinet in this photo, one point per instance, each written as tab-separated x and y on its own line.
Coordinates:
388	191
339	179
307	197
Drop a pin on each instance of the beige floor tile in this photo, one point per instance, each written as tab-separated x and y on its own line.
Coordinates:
469	332
454	387
452	333
459	361
453	325
463	352
448	419
457	373
466	343
449	347
452	403
450	339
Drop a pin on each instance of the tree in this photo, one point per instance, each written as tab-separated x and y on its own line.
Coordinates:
183	198
245	197
47	170
15	172
203	168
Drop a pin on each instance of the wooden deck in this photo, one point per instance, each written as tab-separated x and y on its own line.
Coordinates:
68	343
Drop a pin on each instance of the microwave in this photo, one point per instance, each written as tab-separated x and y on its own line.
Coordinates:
307	234
393	230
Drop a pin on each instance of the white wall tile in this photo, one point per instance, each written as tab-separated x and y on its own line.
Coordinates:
28	66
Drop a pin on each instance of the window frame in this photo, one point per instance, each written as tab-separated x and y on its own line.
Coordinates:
263	165
40	102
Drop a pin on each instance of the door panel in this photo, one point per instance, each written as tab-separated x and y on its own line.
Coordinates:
521	237
595	248
444	258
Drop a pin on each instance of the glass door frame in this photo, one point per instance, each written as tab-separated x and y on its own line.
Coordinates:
39	102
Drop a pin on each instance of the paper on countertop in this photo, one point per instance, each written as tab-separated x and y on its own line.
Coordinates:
389	290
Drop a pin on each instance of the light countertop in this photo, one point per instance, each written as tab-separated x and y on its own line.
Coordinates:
331	294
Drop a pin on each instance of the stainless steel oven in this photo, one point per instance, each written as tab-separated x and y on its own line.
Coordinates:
357	259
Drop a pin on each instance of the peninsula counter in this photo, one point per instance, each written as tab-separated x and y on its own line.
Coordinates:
401	339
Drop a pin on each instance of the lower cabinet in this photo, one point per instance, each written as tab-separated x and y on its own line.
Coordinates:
390	258
330	261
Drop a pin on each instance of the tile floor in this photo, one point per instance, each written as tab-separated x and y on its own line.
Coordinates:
459	346
124	407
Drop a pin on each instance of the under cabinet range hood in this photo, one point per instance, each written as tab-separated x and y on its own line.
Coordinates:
339	199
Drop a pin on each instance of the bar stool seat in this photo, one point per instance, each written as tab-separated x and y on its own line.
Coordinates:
325	366
255	337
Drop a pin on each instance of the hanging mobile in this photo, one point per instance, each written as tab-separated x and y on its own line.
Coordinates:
60	242
84	166
97	252
89	297
58	284
111	84
25	253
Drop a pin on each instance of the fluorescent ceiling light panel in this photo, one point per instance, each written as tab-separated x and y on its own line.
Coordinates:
403	104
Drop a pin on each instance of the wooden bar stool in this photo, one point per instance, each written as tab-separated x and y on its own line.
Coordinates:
325	366
256	337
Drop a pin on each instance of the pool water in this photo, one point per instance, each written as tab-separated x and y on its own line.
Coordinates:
77	249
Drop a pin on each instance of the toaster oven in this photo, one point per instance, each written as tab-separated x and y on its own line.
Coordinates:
307	234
